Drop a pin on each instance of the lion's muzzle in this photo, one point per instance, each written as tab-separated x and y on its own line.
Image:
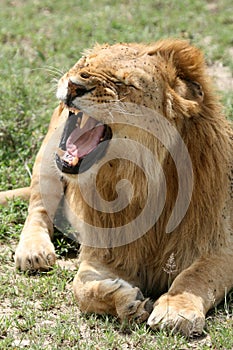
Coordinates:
84	141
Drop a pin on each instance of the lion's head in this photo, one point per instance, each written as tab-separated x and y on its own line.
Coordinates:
167	77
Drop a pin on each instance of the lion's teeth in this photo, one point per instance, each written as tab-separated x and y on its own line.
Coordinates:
61	153
66	157
74	161
85	118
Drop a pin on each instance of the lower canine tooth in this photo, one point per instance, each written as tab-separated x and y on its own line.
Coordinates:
74	161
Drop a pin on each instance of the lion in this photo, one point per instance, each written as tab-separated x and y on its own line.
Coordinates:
168	273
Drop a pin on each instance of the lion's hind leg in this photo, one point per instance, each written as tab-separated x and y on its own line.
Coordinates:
100	291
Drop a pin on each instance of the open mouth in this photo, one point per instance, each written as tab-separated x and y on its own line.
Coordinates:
84	141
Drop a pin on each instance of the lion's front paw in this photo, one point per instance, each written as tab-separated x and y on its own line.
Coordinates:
177	313
138	309
35	253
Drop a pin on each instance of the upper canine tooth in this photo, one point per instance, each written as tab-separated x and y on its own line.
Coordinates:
60	152
84	119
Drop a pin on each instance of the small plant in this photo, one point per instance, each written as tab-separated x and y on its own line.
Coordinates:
170	268
65	246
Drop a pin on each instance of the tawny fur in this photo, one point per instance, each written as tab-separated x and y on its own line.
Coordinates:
168	77
23	193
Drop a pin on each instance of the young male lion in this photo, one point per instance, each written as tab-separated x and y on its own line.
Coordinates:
156	222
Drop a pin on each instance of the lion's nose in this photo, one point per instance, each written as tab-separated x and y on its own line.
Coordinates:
75	89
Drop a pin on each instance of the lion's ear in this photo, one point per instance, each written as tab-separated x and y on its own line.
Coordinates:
194	91
185	68
188	89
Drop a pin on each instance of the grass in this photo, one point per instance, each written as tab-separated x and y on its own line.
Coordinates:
40	40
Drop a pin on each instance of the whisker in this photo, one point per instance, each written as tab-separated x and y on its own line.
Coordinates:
52	70
55	69
120	107
55	80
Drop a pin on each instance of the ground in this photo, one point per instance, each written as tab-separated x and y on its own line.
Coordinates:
39	41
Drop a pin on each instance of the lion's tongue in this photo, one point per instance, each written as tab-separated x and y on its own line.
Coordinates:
83	140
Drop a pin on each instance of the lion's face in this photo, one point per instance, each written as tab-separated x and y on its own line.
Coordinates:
108	75
122	74
113	73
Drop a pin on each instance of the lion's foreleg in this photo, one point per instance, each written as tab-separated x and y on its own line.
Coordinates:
193	292
99	290
35	249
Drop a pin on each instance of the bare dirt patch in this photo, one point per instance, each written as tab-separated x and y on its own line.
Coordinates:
222	76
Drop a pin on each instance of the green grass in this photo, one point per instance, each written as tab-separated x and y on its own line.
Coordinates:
40	40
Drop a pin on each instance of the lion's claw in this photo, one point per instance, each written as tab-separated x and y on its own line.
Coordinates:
137	311
35	253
